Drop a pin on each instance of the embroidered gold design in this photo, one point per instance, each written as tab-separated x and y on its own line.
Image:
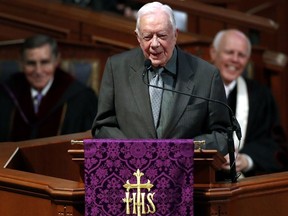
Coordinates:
138	199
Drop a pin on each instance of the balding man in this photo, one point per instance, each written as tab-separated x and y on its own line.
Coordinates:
252	103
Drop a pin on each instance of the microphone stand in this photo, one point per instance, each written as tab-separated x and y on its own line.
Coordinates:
231	151
234	123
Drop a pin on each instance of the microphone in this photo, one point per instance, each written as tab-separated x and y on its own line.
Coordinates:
148	66
235	126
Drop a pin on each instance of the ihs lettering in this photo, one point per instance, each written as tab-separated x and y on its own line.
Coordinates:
139	199
139	208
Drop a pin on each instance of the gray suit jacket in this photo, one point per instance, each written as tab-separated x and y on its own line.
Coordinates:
124	109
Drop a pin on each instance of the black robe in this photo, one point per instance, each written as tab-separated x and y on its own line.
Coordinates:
68	107
264	131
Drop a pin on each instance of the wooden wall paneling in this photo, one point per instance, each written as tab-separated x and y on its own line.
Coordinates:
282	42
278	84
51	13
222	14
113	33
12	26
210	27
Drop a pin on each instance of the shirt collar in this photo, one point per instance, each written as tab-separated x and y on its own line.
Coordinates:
170	67
44	91
229	87
171	64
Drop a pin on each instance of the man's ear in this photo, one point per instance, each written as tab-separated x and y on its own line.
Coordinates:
138	39
176	33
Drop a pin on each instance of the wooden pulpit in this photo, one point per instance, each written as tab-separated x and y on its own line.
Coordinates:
264	195
38	177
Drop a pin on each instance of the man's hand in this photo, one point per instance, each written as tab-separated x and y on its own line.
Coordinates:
241	162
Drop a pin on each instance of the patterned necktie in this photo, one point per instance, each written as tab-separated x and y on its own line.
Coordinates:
38	99
156	95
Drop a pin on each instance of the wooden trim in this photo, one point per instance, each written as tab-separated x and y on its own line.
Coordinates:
27	23
227	16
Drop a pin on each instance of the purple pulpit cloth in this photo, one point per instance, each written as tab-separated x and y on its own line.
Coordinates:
138	177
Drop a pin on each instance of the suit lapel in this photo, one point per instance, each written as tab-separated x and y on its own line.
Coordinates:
184	84
140	93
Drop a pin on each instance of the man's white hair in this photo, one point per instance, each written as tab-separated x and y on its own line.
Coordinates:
154	7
